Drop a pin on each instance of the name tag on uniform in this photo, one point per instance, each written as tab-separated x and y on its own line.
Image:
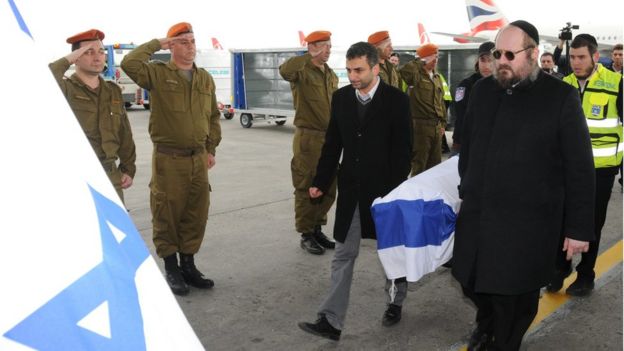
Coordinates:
595	111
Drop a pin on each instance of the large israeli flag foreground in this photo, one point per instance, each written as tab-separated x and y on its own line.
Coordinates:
75	273
416	221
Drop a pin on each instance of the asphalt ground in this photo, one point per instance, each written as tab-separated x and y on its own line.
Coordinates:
265	283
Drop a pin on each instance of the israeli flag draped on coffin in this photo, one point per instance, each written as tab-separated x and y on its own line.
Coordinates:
76	274
415	222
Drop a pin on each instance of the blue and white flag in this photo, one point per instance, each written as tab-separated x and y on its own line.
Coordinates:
416	221
76	274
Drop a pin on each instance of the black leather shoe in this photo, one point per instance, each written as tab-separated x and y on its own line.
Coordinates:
581	287
479	340
323	240
176	282
321	328
556	283
309	244
192	276
392	315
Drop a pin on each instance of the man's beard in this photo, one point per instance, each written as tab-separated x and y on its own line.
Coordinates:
528	71
587	72
504	80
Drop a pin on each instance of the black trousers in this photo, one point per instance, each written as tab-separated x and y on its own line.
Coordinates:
505	317
585	268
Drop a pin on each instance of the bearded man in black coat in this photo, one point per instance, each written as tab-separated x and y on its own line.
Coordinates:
526	160
370	128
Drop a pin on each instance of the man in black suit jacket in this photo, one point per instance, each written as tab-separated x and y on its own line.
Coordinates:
370	127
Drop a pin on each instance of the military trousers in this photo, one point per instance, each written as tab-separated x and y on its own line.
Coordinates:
427	147
307	145
179	200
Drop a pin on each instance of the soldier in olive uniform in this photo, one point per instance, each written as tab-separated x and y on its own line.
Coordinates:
184	127
387	70
312	83
98	106
426	93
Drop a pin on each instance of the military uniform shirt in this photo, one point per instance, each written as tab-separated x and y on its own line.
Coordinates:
101	115
183	114
312	91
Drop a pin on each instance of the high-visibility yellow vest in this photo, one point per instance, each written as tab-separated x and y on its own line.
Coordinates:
599	101
447	90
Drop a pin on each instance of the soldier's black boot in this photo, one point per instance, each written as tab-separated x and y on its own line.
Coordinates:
309	243
174	276
191	275
322	239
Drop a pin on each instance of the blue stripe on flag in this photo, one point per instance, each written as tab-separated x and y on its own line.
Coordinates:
19	18
413	223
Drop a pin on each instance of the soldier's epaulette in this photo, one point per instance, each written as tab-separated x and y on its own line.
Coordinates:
113	84
158	62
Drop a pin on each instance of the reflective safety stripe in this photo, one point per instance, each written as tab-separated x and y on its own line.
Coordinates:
607	151
602	123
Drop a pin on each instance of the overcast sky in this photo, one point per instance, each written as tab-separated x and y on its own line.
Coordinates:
274	23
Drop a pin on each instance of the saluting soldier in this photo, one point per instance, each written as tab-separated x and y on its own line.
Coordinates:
184	127
312	83
428	110
387	70
98	106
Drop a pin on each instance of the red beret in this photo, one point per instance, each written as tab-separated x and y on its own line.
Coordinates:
427	50
319	35
179	28
92	34
378	37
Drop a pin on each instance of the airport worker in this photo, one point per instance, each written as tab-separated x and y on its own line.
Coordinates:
185	130
616	59
312	82
387	70
428	110
483	68
370	128
548	65
98	106
526	175
600	91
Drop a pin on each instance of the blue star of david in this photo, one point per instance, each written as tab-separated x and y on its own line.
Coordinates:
54	325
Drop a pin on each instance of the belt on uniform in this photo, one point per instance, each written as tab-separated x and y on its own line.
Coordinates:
427	121
311	131
108	166
181	152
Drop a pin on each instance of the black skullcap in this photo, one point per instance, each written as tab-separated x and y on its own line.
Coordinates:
528	28
590	38
486	48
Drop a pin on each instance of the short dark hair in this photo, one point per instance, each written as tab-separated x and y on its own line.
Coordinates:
582	40
395	54
617	47
546	53
362	48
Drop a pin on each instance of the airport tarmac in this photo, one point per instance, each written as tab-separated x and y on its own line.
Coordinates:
265	283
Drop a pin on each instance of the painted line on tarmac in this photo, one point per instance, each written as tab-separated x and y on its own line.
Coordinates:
551	302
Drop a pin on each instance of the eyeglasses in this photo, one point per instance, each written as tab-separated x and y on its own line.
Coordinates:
509	55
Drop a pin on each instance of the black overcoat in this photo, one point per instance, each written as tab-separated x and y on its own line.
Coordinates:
376	153
526	160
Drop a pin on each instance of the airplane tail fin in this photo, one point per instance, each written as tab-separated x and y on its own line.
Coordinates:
302	41
216	45
422	34
484	15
